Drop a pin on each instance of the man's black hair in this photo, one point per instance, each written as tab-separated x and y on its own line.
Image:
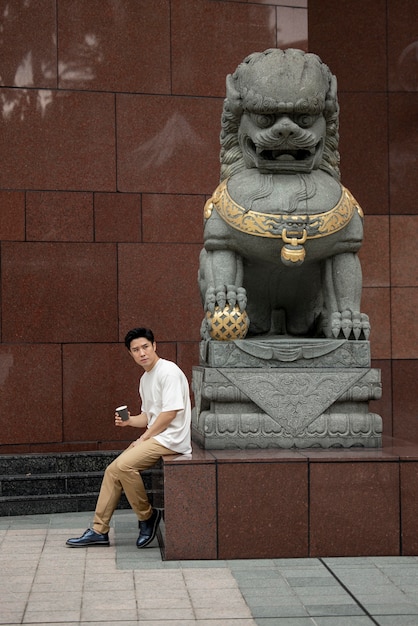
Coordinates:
136	333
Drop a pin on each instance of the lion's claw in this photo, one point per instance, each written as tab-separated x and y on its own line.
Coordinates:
221	296
350	323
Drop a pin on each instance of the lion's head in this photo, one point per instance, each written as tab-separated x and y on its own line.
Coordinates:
280	115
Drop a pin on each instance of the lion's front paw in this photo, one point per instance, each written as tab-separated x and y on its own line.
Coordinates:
227	295
349	324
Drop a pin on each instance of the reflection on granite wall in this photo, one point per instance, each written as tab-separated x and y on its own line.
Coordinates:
109	146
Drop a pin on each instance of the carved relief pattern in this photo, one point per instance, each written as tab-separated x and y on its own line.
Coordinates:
293	400
346	355
261	431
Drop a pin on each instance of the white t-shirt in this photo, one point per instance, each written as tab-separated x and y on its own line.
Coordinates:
166	388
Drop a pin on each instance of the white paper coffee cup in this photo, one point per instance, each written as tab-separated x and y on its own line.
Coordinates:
123	412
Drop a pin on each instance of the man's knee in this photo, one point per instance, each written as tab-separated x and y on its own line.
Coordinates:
124	467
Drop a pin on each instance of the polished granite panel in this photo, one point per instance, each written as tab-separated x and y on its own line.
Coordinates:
108	46
354	509
28	44
374	252
158	285
285	3
363	134
68	143
350	37
258	455
166	350
375	302
89	409
349	455
167	144
190	510
403	153
292	27
404	322
56	292
409	506
404	390
402	45
30	394
117	217
221	35
187	356
403	239
262	509
12	215
59	216
172	218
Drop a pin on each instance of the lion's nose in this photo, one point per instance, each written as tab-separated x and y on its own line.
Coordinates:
284	127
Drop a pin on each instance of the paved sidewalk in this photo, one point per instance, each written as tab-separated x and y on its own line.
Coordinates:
44	582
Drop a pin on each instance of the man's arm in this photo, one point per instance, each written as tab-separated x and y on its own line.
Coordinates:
163	420
137	421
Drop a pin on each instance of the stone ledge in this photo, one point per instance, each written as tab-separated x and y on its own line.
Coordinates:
233	504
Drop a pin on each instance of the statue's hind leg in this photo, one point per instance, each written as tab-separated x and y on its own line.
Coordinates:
342	294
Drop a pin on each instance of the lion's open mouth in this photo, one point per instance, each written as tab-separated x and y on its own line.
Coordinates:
282	160
285	155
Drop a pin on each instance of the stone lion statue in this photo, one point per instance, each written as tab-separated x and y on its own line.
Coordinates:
281	233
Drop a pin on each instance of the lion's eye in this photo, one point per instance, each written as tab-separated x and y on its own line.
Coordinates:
263	120
305	120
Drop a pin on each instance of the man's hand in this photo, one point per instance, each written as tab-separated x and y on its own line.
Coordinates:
143	437
119	421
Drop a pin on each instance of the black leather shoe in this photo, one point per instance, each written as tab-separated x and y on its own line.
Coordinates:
148	529
89	538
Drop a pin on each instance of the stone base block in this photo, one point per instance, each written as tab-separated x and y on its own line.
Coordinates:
255	504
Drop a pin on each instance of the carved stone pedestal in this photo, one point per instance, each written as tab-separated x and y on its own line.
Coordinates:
282	393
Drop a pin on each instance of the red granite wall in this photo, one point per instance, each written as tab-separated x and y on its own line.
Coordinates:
372	48
109	146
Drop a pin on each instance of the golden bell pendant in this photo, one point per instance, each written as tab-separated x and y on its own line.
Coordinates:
293	255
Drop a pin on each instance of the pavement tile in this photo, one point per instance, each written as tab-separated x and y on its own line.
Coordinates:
225	612
104	613
286	621
393	610
335	609
312	581
344	621
160	601
46	617
202	598
11	617
398	620
57	601
279	612
166	616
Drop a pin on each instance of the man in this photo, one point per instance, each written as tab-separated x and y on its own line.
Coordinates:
166	415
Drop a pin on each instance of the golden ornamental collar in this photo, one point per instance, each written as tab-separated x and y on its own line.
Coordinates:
282	226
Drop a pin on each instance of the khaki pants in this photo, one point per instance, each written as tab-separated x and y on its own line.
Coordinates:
123	475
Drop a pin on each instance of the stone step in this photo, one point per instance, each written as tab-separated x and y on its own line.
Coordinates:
32	484
55	463
49	484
